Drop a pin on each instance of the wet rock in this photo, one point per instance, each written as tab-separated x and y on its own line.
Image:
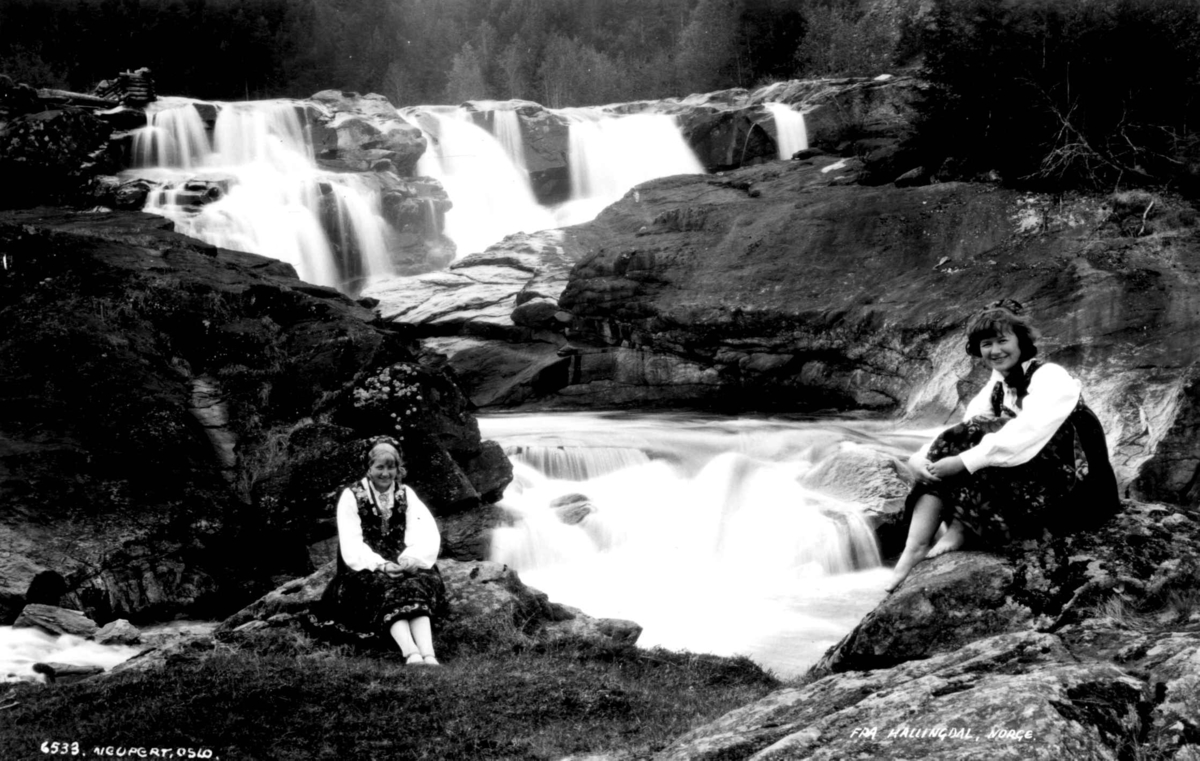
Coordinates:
56	620
65	673
877	482
119	632
572	508
368	130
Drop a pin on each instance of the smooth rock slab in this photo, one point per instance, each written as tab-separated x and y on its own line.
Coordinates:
57	620
1025	686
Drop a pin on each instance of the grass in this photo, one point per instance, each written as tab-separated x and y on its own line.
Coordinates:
545	702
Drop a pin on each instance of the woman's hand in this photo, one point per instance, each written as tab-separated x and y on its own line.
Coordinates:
947	467
920	469
402	566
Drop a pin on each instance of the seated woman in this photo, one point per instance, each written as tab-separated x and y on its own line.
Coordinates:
1028	458
386	582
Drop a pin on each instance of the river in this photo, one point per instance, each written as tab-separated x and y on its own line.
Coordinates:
695	526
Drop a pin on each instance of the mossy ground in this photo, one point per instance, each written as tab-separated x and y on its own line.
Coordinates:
545	702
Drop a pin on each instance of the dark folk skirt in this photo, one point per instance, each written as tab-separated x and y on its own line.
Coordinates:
363	605
1001	505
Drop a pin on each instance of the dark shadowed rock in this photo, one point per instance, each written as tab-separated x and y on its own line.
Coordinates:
120	330
49	156
65	673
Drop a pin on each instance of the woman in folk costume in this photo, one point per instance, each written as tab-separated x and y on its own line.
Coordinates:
388	542
1028	458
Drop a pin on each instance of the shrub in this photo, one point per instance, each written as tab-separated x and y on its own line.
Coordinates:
1062	93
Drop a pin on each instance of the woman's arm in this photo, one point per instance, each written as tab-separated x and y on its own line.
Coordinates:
355	552
422	540
1052	397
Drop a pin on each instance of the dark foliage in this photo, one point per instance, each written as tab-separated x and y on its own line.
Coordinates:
558	52
1065	93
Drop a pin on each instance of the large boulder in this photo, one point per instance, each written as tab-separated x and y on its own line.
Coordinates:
142	456
56	620
369	130
487	601
49	156
1009	696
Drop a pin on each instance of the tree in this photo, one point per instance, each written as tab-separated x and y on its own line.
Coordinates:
466	76
708	52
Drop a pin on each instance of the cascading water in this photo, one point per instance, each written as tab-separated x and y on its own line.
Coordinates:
611	154
792	134
491	195
695	527
508	134
263	192
21	648
175	137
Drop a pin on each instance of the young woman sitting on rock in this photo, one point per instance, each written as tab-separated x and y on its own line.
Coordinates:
386	582
1028	458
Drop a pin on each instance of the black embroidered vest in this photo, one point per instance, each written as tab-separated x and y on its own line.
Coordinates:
383	536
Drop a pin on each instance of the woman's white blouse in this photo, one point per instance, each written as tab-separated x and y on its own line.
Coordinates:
1051	398
421	537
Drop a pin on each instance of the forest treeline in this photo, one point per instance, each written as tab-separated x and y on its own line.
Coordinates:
1052	93
556	52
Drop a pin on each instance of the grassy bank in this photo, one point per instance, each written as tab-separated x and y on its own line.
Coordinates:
544	702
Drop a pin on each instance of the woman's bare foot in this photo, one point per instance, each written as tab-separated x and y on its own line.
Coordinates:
952	540
912	555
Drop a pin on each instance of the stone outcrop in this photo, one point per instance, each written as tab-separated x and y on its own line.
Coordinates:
368	130
48	152
1084	648
486	599
56	620
119	501
878	483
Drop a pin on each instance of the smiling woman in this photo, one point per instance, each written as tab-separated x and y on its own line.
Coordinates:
1028	458
388	542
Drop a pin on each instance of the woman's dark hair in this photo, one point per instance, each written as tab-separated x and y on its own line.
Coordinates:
996	320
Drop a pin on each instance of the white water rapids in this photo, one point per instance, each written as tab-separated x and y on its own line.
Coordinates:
701	531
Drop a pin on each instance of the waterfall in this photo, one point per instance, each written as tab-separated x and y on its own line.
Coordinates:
611	154
791	134
255	187
490	194
508	133
697	528
577	463
175	137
